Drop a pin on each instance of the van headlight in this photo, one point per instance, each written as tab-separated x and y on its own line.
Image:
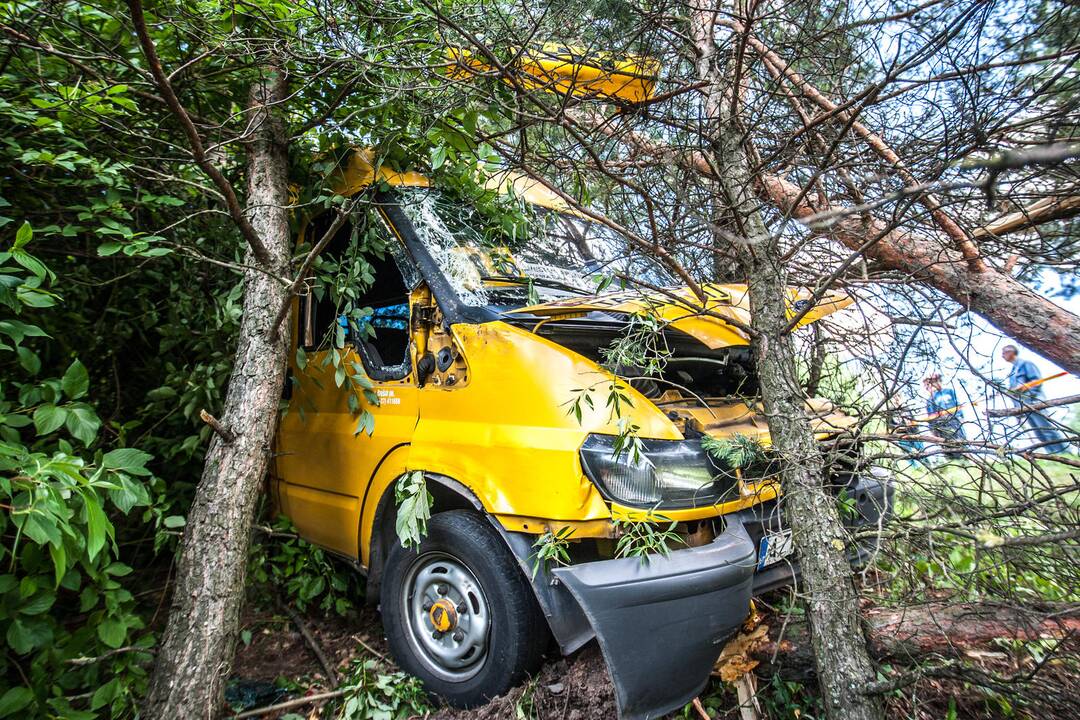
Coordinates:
666	473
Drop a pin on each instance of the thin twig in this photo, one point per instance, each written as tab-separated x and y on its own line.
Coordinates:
106	656
258	249
291	704
312	643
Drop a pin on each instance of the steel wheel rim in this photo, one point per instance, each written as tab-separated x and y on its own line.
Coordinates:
436	579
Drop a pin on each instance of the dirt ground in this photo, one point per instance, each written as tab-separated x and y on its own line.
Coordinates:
574	688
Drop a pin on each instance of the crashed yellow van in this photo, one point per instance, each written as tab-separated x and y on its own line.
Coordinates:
478	359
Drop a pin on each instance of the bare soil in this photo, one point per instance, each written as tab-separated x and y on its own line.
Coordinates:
572	688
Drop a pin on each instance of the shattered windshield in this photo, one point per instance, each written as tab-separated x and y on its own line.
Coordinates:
562	256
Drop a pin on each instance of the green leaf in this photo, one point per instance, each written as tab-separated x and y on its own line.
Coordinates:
25	634
23	236
38	604
59	558
162	393
366	423
97	526
438	157
175	521
129	460
129	494
83	423
112	632
29	360
76	381
105	694
109	248
15	700
30	262
48	418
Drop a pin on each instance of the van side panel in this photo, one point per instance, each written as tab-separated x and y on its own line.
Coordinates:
323	464
510	434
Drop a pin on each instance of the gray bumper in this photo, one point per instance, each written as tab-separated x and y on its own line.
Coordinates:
661	625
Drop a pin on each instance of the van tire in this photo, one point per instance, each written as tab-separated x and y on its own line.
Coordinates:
517	633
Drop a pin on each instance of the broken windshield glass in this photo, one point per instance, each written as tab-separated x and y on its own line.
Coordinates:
562	256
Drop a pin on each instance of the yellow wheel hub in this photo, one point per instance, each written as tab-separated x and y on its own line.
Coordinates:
443	615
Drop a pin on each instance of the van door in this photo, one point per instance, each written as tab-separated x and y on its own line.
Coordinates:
326	453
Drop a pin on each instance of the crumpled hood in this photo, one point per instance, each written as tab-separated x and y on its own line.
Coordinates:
724	417
716	323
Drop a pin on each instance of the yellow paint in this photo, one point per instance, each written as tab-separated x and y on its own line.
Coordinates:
756	494
443	615
499	420
564	70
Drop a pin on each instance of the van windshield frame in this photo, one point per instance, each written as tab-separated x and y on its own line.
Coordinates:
562	256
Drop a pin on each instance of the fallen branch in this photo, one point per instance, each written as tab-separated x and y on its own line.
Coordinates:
288	704
1032	407
913	634
312	643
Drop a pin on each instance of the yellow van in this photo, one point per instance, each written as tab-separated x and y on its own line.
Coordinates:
488	372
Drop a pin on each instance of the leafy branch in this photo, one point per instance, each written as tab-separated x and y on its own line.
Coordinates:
413	508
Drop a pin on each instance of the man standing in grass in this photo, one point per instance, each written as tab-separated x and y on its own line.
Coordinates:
1023	373
946	418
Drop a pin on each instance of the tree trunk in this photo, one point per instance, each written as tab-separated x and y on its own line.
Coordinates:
1012	307
832	602
924	633
197	648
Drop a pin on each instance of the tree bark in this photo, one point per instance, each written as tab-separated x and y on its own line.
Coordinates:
1012	307
921	633
831	599
832	603
197	648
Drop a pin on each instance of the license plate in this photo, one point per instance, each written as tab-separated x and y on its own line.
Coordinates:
775	546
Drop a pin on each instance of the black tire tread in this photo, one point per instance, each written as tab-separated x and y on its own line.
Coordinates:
522	632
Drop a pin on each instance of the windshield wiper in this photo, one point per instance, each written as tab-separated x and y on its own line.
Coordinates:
539	282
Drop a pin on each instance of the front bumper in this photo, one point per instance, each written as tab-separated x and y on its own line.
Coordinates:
661	625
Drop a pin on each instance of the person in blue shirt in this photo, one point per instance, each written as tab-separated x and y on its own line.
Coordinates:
902	426
1022	373
946	420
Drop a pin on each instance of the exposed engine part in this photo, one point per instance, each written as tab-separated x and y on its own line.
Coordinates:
444	359
723	372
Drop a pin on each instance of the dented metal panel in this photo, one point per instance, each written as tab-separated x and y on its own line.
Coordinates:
661	624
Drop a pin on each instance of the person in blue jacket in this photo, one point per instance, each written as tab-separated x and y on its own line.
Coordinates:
1024	372
946	420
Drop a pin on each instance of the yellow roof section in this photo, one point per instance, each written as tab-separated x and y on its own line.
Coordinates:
358	172
567	70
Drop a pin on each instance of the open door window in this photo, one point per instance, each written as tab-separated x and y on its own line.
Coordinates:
360	295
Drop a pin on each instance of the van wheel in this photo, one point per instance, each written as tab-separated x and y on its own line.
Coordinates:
458	611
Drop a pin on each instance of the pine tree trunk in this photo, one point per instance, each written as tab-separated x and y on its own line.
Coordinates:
1013	308
840	652
832	604
197	648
